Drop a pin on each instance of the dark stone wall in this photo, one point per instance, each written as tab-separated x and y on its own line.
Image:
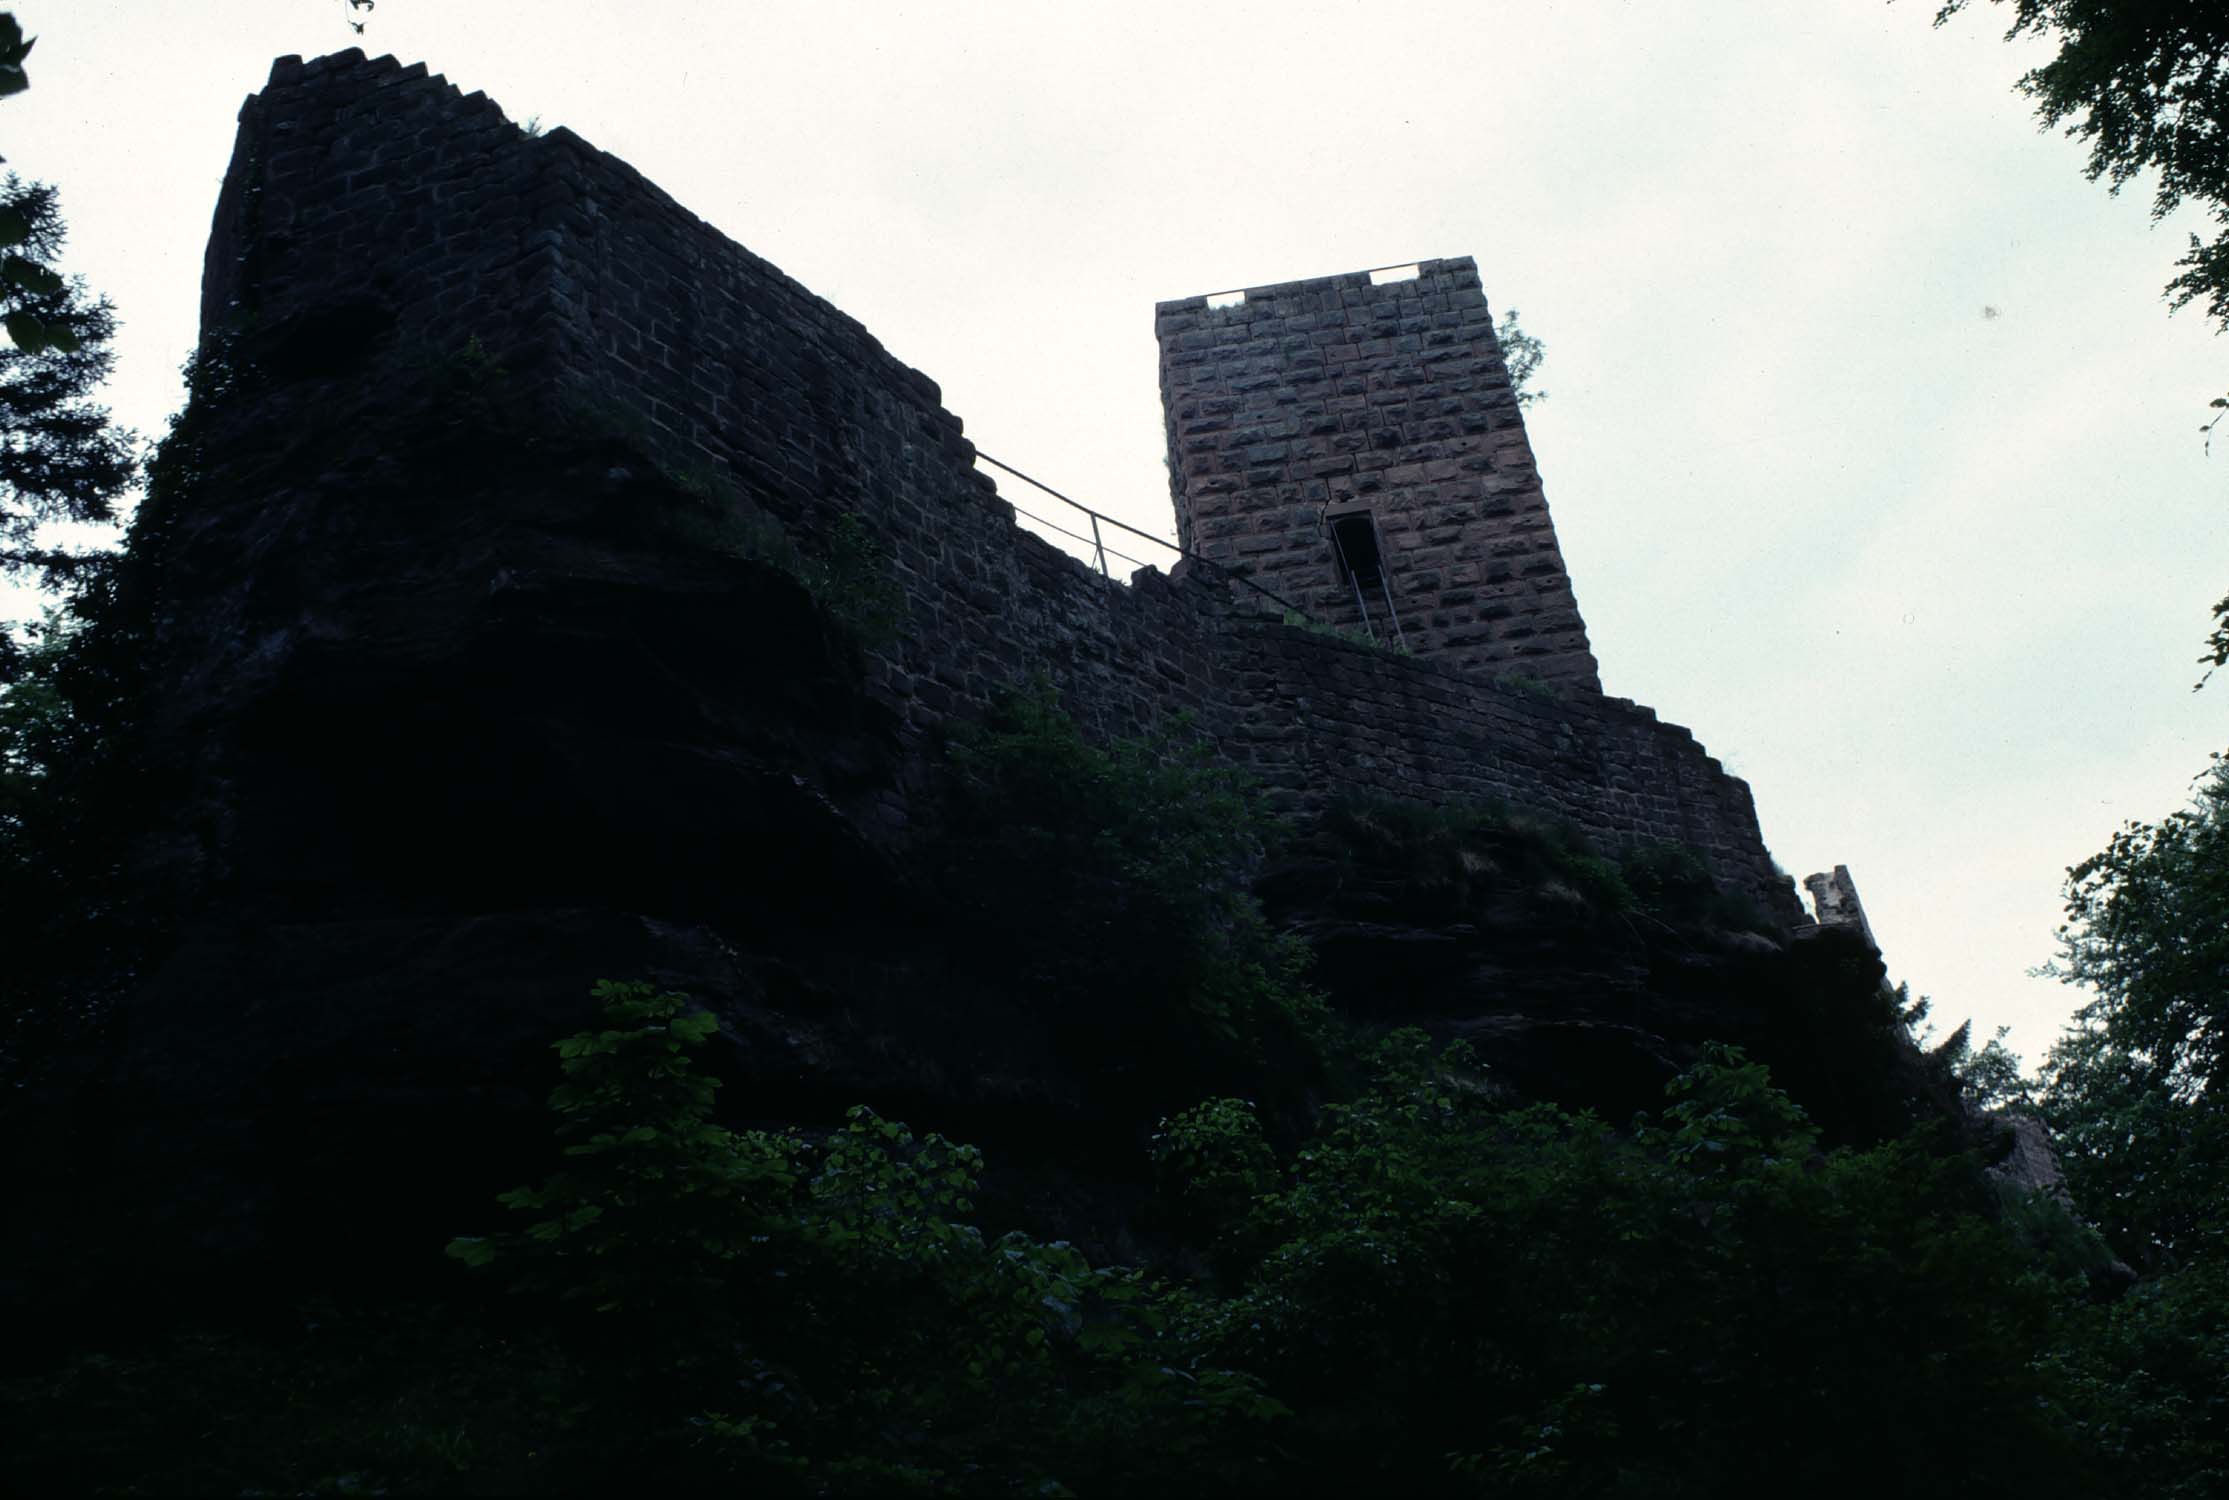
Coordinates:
1319	396
372	199
367	203
375	214
1321	716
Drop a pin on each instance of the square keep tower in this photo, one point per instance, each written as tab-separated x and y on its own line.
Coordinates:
1353	444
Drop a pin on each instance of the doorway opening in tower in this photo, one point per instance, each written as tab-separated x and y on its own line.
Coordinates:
1354	537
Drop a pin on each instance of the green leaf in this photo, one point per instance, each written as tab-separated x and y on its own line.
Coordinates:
28	332
694	1028
472	1249
13	50
30	275
15	228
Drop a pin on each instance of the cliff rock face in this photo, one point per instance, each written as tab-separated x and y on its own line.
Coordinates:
1487	934
467	686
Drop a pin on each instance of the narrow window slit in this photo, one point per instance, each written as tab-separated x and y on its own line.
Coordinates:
1354	542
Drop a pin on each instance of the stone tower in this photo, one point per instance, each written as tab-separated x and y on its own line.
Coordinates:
1353	444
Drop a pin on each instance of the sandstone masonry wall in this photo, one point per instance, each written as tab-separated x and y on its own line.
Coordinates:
1317	717
367	200
1317	396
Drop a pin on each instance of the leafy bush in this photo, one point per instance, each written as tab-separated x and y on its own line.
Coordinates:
661	1198
325	1399
1466	848
2137	1091
1462	844
1438	1292
845	563
851	572
819	1314
848	569
2148	1377
1118	878
1452	1292
1212	1161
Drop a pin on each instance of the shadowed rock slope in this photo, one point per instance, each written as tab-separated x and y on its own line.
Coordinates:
451	706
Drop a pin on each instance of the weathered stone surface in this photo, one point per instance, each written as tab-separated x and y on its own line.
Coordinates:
1595	1009
1834	900
2031	1163
1295	403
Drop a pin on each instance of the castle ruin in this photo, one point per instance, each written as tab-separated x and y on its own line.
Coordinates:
1351	446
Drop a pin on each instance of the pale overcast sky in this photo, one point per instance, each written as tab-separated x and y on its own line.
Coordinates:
1872	448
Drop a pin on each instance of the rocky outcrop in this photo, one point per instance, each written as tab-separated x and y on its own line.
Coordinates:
459	713
1573	988
2029	1163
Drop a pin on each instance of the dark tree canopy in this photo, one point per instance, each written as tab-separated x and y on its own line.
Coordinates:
2148	929
2138	1092
14	48
60	459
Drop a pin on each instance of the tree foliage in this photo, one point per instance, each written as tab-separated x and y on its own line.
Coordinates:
68	800
2138	1091
1439	1291
820	1314
60	457
25	276
1455	1292
2137	1095
1525	355
2145	84
1119	878
14	48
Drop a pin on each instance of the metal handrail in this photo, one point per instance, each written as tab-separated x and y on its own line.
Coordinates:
1180	551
